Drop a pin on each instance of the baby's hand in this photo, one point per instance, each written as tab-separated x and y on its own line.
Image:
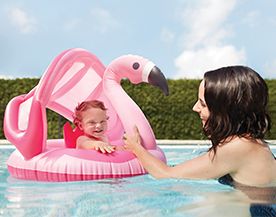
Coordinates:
104	147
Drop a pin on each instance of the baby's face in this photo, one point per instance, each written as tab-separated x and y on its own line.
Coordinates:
94	122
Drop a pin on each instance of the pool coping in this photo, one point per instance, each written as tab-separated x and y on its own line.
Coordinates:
163	143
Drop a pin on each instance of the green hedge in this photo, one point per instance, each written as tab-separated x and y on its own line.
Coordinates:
171	117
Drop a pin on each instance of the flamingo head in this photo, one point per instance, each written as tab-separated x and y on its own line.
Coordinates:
138	69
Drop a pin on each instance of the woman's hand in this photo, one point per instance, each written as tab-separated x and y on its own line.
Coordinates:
133	142
152	164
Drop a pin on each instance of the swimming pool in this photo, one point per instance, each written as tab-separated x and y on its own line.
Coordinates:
134	196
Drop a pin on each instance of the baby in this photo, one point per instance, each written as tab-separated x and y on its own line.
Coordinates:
91	118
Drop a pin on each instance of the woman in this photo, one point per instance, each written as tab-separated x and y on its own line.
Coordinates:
232	104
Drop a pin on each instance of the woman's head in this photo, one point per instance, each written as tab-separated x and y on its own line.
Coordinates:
91	117
236	97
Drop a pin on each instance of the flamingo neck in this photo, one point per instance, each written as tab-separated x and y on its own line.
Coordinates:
128	111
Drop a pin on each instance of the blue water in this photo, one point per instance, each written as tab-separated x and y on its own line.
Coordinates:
134	196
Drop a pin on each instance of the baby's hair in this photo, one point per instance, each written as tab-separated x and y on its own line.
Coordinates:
85	105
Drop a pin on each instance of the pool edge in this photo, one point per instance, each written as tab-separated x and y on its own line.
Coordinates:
161	142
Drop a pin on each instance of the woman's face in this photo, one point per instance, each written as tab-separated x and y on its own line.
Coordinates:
94	122
200	106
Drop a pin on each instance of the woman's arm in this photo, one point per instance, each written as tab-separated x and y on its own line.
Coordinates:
153	165
202	167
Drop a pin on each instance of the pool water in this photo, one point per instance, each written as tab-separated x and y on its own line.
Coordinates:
133	196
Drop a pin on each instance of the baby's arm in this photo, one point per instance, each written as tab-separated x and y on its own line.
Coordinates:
83	142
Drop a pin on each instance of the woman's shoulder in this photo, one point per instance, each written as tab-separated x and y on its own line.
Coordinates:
244	144
235	145
239	148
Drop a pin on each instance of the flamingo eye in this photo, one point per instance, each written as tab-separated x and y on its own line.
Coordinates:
135	65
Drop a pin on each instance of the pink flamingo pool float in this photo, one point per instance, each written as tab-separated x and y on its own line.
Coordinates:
74	76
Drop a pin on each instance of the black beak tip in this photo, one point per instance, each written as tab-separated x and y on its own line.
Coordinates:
157	78
166	92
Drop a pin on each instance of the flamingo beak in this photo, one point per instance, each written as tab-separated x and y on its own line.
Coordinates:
157	78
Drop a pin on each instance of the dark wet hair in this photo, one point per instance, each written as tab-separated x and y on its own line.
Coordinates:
237	99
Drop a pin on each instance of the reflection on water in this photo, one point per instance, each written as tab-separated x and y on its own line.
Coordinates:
135	196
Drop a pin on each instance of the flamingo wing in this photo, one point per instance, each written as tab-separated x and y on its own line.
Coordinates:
73	76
